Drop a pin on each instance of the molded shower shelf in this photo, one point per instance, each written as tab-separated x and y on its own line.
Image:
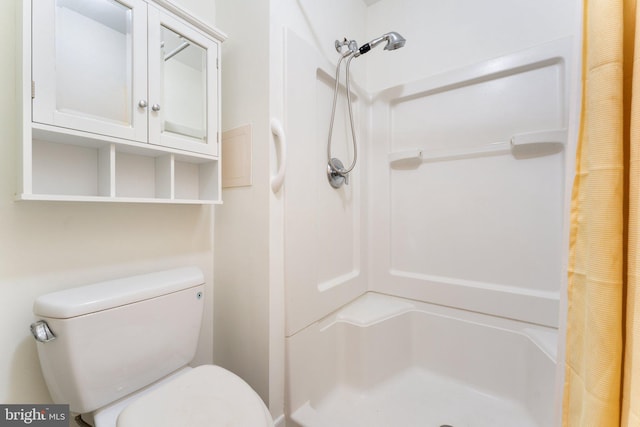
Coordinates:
521	146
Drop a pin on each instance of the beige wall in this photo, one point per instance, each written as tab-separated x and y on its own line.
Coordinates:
46	246
241	321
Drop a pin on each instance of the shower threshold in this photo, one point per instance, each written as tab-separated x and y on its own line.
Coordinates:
413	398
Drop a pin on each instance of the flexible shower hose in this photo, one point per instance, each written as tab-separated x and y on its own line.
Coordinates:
343	171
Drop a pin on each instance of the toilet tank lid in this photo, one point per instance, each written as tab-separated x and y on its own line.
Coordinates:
115	293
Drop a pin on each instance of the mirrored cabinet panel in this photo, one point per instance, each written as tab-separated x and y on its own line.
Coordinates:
93	58
184	86
119	102
85	73
180	76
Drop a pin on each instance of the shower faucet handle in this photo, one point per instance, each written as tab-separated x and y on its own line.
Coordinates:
336	173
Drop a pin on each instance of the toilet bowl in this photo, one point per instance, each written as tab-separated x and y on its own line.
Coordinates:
118	352
191	400
207	395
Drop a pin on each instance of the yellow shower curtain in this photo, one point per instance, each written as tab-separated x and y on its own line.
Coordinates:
602	367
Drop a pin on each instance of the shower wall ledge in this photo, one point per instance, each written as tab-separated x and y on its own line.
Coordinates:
523	304
543	55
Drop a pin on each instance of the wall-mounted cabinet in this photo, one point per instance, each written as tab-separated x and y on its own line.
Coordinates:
120	102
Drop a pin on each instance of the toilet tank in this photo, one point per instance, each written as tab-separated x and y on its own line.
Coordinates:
118	336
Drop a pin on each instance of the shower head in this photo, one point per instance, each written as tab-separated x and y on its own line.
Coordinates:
393	39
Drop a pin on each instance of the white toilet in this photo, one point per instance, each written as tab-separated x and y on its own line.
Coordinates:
117	353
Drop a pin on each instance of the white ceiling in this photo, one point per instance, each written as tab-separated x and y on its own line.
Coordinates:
370	2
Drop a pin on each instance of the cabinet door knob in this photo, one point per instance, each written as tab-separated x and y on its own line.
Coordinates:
142	103
155	107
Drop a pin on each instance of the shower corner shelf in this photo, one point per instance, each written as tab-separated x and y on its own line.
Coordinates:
520	146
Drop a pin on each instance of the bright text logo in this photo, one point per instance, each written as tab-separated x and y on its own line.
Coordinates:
34	415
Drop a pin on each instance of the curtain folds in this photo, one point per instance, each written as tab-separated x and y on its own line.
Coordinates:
602	366
631	380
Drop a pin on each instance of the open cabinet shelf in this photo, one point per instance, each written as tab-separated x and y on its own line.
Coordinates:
93	170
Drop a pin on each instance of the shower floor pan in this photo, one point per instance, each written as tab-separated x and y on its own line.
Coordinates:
389	362
414	398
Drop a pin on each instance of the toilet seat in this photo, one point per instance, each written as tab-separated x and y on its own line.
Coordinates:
205	396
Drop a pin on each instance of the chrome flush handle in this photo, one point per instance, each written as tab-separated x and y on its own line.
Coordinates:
42	332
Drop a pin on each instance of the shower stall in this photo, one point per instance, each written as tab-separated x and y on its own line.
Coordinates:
427	288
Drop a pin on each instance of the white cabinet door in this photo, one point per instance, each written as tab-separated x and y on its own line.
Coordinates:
89	66
183	85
